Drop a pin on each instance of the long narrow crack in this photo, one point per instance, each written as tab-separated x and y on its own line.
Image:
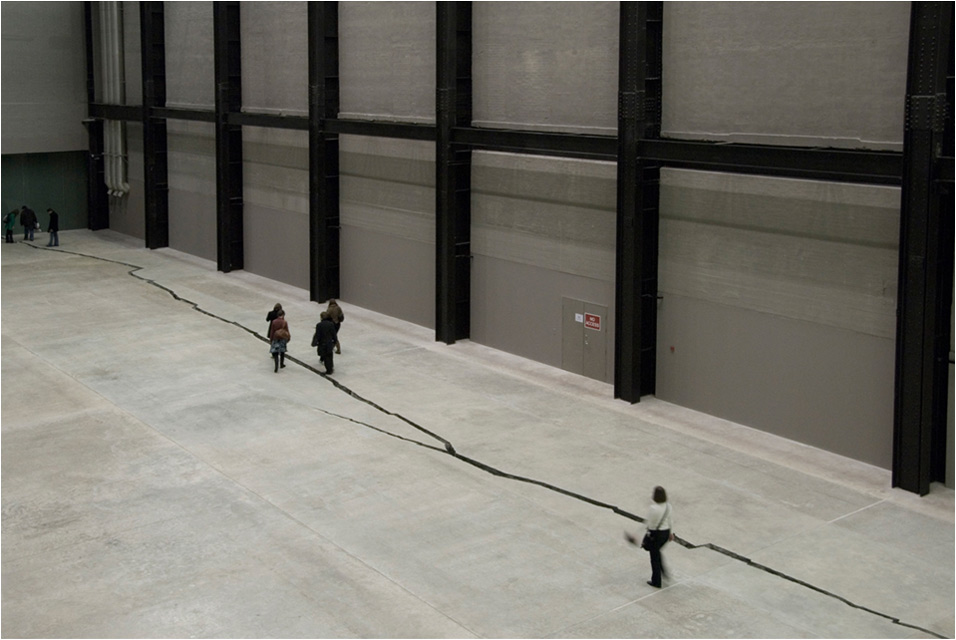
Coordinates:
449	449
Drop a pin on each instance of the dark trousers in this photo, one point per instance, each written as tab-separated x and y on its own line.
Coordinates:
326	357
658	540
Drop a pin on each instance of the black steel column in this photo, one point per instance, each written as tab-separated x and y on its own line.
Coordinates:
155	154
926	256
97	199
228	72
638	191
453	174
324	225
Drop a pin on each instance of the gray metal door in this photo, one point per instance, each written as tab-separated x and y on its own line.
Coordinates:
584	338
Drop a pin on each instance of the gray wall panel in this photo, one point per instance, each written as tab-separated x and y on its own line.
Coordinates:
276	204
827	387
387	60
192	188
801	73
542	229
517	308
132	52
190	70
44	77
388	226
546	65
275	67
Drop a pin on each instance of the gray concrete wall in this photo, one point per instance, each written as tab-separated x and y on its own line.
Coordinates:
44	77
275	64
779	304
190	70
388	226
802	73
387	60
545	65
542	229
192	187
276	204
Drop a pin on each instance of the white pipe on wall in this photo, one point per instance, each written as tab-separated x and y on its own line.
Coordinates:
122	183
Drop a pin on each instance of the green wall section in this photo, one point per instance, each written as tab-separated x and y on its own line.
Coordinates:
47	180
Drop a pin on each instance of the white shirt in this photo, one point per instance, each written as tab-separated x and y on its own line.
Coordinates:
659	512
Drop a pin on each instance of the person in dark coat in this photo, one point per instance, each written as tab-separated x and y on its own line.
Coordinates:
324	341
29	221
337	317
9	222
54	228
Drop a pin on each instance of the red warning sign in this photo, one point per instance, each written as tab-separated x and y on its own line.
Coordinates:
592	321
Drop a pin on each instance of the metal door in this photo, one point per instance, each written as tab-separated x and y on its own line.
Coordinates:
584	338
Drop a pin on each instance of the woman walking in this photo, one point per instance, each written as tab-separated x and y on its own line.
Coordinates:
280	336
658	533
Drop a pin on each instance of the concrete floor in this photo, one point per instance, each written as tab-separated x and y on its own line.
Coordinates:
159	480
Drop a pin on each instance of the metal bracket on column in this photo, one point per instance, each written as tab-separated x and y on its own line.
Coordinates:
155	155
97	199
926	257
638	192
324	224
228	77
453	174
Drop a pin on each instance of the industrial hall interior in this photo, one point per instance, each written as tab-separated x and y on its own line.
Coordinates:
643	320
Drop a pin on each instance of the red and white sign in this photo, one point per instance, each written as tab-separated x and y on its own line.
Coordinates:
592	321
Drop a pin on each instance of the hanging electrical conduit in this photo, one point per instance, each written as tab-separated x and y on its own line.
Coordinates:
114	92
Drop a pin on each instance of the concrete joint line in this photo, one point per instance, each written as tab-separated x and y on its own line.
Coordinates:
448	448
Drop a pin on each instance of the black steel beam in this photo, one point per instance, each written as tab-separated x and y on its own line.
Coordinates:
926	255
382	129
638	191
838	165
97	198
453	173
124	112
155	152
228	77
176	113
566	145
324	223
269	120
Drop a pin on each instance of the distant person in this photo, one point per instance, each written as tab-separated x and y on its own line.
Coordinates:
272	315
9	222
337	317
324	341
54	228
280	336
657	534
29	221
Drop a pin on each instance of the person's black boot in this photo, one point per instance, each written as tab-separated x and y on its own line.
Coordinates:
275	359
282	361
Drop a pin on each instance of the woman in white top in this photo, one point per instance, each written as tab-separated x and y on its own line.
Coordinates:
659	522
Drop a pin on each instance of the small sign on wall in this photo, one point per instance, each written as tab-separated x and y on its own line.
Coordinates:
579	317
592	321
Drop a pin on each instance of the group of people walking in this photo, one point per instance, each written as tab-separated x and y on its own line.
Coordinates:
30	223
325	339
659	519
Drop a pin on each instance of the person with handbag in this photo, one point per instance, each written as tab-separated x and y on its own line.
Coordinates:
658	533
279	333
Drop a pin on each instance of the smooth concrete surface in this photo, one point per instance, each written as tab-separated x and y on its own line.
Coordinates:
160	480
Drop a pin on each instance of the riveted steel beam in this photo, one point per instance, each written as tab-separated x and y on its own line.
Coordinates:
155	151
924	302
97	198
324	223
638	194
228	78
453	174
